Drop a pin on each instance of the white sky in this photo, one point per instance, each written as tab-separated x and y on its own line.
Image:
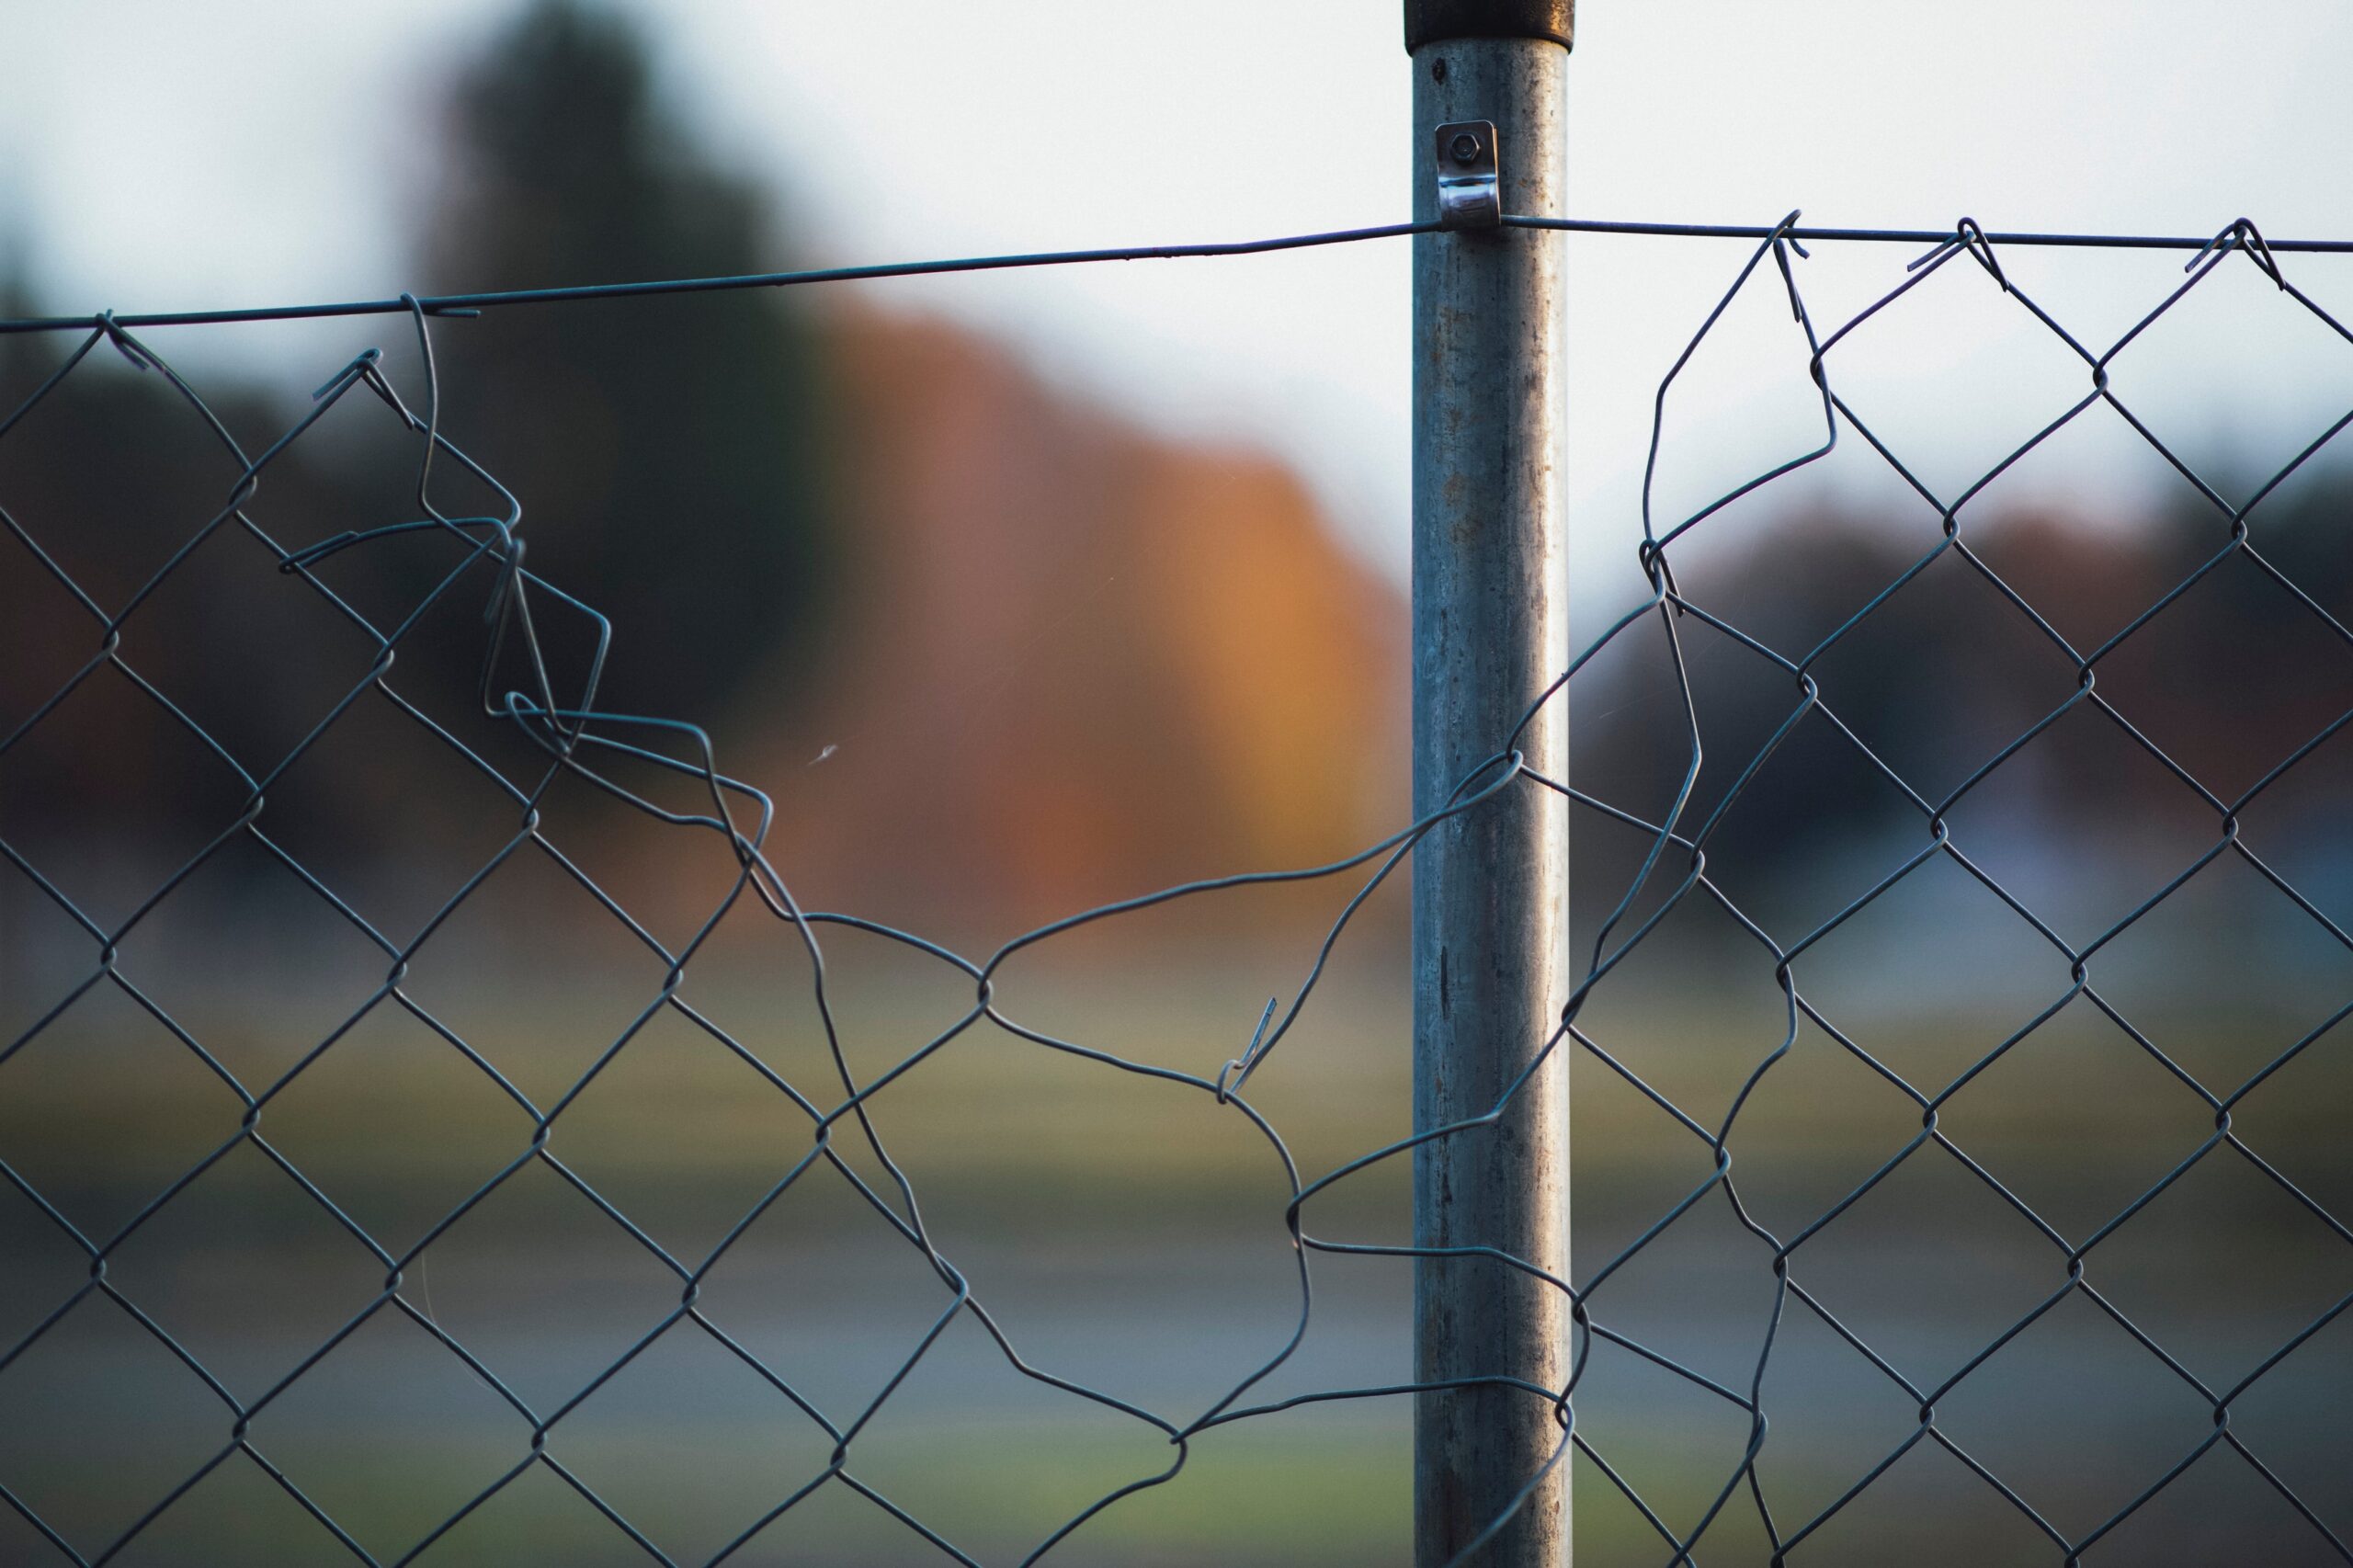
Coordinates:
168	153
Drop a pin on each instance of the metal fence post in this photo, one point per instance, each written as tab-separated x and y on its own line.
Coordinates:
1490	887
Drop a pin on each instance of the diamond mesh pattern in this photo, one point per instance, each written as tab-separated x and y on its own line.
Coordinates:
527	693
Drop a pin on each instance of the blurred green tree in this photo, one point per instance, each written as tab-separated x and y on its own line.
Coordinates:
670	453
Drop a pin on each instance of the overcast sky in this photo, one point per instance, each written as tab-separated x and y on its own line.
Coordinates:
165	153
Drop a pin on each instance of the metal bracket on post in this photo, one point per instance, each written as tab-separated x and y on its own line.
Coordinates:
1469	185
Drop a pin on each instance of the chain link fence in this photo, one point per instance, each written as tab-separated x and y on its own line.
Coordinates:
553	767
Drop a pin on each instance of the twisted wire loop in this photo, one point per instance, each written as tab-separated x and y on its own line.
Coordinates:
524	689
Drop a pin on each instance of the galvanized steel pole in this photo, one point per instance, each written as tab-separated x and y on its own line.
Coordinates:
1490	887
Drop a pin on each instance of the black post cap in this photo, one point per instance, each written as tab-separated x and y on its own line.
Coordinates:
1433	21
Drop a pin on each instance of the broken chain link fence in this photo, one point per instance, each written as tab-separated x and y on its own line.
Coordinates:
528	688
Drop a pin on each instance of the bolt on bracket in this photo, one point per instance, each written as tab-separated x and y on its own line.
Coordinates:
1470	193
